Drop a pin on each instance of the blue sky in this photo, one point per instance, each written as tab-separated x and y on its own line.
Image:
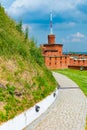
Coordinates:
69	20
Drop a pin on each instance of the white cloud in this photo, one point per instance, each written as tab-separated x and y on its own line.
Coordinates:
78	35
76	40
20	6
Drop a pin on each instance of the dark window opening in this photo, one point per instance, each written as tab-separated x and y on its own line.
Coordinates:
55	58
49	63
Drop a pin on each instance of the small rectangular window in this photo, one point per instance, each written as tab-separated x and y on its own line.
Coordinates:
49	63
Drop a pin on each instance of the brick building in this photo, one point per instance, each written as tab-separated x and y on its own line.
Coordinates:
55	59
77	61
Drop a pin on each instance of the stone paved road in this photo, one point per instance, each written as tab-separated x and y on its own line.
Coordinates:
69	110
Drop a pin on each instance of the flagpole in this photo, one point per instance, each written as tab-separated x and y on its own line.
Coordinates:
51	30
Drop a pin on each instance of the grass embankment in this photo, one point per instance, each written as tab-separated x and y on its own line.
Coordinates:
80	77
24	80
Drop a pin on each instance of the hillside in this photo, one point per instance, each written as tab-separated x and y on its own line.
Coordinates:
24	80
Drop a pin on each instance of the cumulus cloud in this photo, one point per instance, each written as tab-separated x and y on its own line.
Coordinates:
20	6
77	37
64	11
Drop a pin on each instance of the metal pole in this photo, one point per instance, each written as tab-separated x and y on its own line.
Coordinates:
51	31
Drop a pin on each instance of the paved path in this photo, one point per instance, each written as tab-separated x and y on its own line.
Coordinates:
69	110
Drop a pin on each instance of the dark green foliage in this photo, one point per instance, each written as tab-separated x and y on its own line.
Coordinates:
1	95
26	32
11	90
19	26
3	117
1	8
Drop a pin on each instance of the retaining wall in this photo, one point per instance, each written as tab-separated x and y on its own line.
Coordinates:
24	119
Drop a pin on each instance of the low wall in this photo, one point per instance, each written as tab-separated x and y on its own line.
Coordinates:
24	119
77	67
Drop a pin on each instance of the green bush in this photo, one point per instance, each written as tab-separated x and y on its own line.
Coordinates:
11	89
2	117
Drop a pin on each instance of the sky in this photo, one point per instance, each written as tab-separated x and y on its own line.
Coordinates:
69	20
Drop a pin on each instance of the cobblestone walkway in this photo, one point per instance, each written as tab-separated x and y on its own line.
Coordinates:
69	110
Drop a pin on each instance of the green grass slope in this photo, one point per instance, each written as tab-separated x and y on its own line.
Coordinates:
24	80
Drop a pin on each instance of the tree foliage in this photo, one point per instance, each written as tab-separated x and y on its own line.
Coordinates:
19	26
26	32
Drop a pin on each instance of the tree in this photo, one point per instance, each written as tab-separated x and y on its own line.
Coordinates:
19	26
26	32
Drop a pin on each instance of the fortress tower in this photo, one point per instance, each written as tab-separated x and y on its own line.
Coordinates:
52	52
55	59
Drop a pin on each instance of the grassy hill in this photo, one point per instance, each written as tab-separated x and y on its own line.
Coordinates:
24	80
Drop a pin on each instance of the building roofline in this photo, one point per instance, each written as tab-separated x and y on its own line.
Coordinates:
52	44
55	56
50	50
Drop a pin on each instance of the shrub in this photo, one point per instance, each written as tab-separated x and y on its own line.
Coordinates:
11	89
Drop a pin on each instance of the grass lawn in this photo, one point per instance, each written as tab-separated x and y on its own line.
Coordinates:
80	77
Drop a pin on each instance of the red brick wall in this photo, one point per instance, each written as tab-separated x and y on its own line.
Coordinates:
51	39
56	62
54	59
47	50
78	62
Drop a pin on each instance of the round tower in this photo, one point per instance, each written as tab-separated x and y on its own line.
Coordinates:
51	39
